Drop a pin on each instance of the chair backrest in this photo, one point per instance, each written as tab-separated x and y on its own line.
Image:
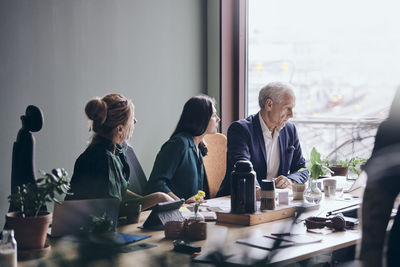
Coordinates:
215	161
137	178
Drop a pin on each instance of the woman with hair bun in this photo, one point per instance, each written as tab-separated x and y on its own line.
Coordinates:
102	170
178	169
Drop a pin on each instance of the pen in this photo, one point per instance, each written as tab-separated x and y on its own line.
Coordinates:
281	237
281	234
333	211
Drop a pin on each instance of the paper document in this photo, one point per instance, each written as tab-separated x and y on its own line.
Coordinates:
222	204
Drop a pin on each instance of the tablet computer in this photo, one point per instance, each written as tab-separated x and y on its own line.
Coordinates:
162	213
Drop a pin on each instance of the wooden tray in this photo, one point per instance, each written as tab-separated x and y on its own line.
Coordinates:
258	217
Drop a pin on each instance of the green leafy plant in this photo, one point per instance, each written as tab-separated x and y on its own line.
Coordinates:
102	224
353	164
344	163
318	167
325	162
99	248
29	199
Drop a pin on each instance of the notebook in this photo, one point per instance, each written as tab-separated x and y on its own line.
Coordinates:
74	217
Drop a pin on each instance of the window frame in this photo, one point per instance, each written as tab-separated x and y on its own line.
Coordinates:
233	67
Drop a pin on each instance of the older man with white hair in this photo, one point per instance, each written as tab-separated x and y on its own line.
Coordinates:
268	140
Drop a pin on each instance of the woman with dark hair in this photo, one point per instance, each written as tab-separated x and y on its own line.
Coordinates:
178	169
102	171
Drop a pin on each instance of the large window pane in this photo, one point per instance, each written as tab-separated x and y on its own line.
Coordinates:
342	56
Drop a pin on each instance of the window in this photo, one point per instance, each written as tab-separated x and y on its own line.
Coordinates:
343	57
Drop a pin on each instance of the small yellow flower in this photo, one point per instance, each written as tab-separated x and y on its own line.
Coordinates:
197	197
201	193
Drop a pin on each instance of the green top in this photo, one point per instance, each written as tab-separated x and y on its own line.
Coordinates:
99	172
177	168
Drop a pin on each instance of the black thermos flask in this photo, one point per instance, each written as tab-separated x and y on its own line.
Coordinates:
243	188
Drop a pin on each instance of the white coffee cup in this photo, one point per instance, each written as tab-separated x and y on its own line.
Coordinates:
329	187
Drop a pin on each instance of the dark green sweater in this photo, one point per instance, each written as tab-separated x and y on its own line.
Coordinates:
177	168
99	173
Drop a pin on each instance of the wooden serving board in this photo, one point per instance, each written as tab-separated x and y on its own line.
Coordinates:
247	219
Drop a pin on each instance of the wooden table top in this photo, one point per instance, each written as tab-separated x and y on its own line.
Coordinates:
225	236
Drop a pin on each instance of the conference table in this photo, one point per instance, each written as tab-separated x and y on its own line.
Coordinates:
223	237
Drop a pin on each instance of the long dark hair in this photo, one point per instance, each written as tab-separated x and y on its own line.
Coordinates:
195	117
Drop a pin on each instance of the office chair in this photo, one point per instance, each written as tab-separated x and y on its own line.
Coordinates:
215	161
137	177
23	155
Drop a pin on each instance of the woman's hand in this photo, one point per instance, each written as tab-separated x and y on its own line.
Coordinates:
192	200
173	196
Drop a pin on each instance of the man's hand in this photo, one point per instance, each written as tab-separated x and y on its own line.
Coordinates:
283	182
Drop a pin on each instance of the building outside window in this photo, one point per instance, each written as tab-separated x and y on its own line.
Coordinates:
342	56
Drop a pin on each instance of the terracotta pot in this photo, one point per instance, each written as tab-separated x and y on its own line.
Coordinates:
30	232
339	170
173	229
196	230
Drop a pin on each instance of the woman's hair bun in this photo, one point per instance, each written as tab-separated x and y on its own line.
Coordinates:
96	110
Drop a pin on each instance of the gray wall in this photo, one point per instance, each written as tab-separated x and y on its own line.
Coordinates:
58	54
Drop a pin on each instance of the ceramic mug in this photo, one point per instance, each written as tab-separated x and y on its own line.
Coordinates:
329	187
131	210
298	190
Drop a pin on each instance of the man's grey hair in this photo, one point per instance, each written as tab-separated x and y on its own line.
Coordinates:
275	91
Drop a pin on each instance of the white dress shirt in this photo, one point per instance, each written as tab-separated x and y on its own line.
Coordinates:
272	150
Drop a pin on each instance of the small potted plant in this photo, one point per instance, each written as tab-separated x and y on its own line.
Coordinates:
193	228
341	167
100	248
31	220
196	228
199	199
313	194
355	167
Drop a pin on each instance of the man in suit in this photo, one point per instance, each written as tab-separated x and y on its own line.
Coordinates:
268	140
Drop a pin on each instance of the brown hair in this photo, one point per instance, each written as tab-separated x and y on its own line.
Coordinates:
108	112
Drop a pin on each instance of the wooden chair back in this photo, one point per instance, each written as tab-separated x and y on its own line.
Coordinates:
215	161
